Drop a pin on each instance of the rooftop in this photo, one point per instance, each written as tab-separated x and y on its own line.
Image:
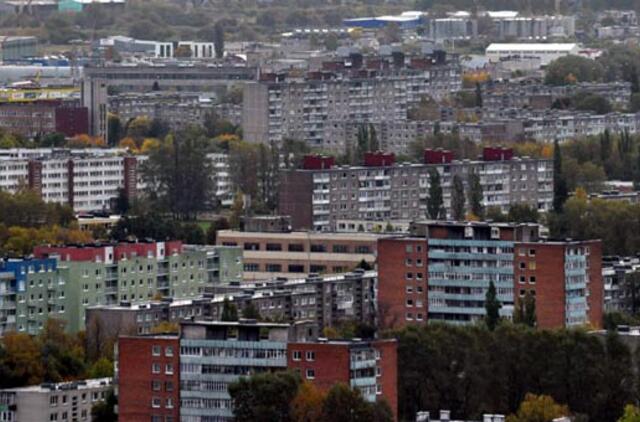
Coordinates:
73	385
496	47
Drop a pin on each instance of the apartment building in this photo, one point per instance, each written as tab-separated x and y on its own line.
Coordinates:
378	88
90	180
87	182
369	366
101	81
323	301
320	194
65	401
534	27
617	272
38	118
213	355
291	254
61	282
441	272
546	53
148	378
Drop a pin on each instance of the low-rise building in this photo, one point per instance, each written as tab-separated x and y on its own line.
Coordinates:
545	52
39	118
65	401
268	255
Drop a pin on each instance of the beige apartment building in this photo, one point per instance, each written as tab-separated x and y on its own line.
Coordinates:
270	255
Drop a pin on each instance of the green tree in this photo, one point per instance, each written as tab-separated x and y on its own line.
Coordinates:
560	193
178	175
218	39
104	411
476	196
478	95
264	397
344	404
122	202
525	310
631	414
457	199
229	311
585	101
435	208
251	312
101	368
492	307
571	69
522	213
114	129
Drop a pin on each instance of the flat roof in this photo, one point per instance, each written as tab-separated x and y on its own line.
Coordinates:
63	386
531	47
299	235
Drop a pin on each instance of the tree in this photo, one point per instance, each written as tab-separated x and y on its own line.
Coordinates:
571	69
540	408
307	404
522	213
122	202
364	265
264	397
101	368
586	101
560	193
435	208
21	360
114	129
525	310
457	199
345	404
478	95
251	312
104	411
492	307
218	39
183	51
229	311
178	175
476	196
631	414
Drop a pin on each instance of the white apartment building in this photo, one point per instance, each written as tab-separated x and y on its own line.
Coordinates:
67	401
545	52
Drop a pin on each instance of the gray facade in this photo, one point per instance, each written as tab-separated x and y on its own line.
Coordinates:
70	401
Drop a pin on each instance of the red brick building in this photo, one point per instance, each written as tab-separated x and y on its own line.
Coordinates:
443	270
42	117
370	366
149	378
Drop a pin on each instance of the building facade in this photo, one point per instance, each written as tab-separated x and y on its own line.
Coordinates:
61	282
320	194
442	273
213	355
269	255
39	118
65	401
355	88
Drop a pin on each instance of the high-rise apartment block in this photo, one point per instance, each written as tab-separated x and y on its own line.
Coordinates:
213	355
379	88
442	271
61	282
320	195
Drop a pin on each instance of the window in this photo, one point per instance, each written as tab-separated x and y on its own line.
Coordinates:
156	385
156	350
532	252
294	268
155	368
274	247
363	249
53	417
297	355
168	386
318	248
64	399
409	276
251	267
155	402
169	403
274	268
310	356
523	265
311	374
409	249
532	265
532	279
408	262
522	279
168	351
168	368
53	400
340	249
296	247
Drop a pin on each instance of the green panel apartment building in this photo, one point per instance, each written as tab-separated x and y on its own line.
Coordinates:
61	282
